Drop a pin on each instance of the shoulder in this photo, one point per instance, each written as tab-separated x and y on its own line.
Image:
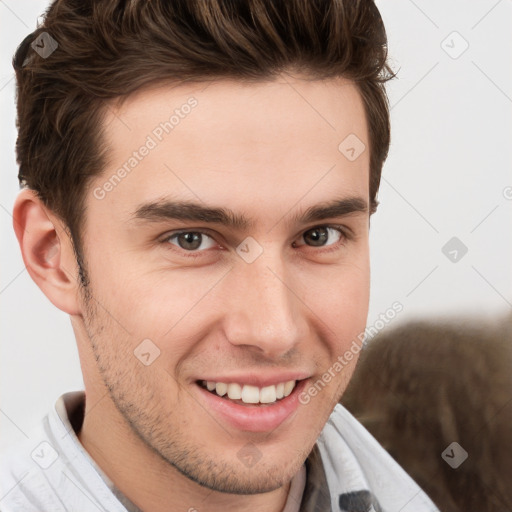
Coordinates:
23	483
345	443
51	471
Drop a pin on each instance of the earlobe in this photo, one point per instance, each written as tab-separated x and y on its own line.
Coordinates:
47	251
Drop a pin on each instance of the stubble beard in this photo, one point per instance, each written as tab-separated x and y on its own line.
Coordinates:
133	394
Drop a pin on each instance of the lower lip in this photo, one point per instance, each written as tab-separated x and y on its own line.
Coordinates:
253	418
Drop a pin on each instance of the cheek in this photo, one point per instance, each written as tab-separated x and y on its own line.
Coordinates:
150	302
323	392
340	296
343	308
162	302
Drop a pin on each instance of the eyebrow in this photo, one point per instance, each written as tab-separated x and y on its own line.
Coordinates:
187	210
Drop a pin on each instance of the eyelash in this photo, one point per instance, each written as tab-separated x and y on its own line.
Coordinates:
345	233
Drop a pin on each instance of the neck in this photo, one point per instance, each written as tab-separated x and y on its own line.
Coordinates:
148	480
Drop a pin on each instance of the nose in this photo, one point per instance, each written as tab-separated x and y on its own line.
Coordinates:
265	313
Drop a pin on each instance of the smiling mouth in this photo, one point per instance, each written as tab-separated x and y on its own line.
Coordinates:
248	394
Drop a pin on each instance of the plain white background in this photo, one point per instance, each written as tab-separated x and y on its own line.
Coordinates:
448	175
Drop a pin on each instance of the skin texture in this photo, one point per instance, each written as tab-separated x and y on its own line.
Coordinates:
266	150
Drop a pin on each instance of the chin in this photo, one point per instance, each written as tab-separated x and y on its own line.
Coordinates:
246	483
241	475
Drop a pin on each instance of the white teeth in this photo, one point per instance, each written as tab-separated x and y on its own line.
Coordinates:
288	387
221	388
267	394
251	394
234	391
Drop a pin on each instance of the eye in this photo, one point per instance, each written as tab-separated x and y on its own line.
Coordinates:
322	236
196	242
191	241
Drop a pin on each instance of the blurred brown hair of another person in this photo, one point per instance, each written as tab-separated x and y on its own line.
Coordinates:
424	385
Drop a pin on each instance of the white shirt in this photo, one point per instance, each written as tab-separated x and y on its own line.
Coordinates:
52	471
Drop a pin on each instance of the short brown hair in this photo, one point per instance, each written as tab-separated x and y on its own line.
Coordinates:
110	48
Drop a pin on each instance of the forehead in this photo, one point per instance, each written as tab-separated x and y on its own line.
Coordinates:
229	142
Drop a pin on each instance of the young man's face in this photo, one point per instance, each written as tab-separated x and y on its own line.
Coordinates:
258	302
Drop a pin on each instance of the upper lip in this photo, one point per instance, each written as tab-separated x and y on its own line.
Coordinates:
258	379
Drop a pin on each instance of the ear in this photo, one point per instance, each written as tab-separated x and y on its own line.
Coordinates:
47	251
